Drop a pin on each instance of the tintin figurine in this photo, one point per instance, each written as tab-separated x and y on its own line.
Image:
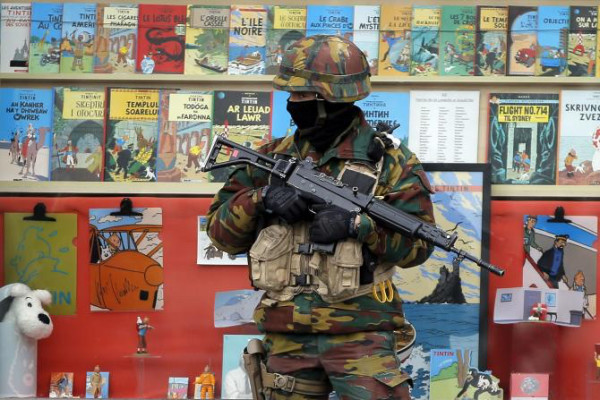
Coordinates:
207	382
96	383
142	328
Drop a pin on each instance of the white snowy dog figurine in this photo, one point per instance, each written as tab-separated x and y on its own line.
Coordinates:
23	322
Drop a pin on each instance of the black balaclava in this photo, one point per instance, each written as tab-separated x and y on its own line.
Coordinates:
320	121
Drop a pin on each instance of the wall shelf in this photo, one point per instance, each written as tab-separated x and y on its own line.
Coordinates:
421	80
162	189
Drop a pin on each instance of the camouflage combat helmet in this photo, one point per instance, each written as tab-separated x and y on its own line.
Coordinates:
332	66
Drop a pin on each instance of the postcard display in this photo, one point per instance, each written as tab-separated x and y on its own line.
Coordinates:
538	131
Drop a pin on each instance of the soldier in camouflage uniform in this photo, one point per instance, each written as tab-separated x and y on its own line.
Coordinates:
323	323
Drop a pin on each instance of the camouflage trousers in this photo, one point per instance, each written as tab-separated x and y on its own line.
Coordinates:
359	366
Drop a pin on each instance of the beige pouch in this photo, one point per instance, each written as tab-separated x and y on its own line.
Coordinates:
341	272
270	258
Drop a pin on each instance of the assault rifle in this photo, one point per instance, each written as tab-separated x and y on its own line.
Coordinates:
311	183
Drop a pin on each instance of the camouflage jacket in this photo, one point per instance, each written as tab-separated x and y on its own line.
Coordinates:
237	209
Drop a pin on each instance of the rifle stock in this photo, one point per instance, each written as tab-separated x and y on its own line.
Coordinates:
313	184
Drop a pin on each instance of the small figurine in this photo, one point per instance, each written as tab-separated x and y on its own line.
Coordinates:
142	327
96	383
597	359
207	382
147	64
538	312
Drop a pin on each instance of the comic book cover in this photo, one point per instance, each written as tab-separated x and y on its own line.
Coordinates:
454	374
579	145
26	134
248	40
178	387
78	144
329	20
161	38
425	41
243	117
366	33
234	380
78	38
206	40
96	384
116	38
126	259
43	255
457	36
523	137
61	384
208	254
490	41
522	40
581	54
552	38
282	123
15	26
394	40
46	30
443	291
578	234
185	120
131	135
390	108
286	25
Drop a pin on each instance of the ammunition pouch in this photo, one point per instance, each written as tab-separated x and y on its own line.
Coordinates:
262	382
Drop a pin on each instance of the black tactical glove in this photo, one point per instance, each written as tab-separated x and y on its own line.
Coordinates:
332	224
284	202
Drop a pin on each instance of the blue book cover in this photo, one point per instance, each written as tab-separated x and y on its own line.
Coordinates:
44	41
552	40
425	50
78	33
281	123
330	20
390	108
26	137
247	40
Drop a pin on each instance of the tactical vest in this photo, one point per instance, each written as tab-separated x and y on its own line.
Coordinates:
284	263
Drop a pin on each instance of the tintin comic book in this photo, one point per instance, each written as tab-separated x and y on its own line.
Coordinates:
26	134
424	56
523	136
552	38
43	255
579	144
522	40
46	30
390	108
15	25
286	25
581	54
131	135
178	387
366	33
457	39
329	20
185	121
78	145
490	41
243	117
453	375
78	38
247	40
161	38
206	40
61	384
394	40
282	123
126	259
116	38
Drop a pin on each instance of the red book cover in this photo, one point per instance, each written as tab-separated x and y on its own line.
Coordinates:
161	41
